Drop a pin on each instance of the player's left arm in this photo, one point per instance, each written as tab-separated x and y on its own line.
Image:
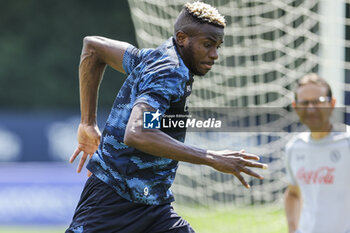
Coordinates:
156	142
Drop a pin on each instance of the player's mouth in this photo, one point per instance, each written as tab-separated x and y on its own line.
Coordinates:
208	65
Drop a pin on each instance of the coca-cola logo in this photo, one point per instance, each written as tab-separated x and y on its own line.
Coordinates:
323	175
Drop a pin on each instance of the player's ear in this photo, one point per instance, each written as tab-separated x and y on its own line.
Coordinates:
294	104
333	101
181	38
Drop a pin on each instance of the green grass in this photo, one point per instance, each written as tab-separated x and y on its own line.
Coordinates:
264	219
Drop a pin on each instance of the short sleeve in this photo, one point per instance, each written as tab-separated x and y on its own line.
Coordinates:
290	176
132	57
160	90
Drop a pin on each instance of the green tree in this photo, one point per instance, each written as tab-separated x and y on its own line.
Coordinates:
40	44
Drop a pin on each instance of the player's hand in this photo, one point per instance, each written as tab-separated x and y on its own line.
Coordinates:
235	162
88	141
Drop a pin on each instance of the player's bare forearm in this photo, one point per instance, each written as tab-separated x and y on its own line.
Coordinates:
158	143
90	76
293	205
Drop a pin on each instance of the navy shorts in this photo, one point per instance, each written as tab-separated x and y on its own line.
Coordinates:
102	210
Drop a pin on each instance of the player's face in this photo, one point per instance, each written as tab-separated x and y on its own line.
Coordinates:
314	107
201	48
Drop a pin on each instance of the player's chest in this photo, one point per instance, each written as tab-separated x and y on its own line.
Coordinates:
321	165
181	106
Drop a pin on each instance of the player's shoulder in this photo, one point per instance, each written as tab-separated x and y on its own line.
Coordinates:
164	60
167	51
297	139
346	129
340	132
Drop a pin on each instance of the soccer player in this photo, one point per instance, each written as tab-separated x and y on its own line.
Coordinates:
133	168
317	199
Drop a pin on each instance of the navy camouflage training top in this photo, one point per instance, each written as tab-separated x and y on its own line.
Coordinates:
159	78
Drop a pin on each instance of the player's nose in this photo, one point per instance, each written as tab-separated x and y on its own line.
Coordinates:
214	54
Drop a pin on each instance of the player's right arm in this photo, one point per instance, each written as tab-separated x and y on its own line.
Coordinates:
292	206
97	53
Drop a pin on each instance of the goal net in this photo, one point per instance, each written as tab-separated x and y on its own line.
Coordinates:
268	46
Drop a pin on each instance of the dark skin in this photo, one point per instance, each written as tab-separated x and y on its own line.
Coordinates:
198	49
198	46
157	143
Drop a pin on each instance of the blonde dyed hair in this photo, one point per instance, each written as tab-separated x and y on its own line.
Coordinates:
205	13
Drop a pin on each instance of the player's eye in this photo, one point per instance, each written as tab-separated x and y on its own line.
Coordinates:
315	102
207	45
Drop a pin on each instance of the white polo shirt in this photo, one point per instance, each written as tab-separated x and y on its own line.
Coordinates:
322	171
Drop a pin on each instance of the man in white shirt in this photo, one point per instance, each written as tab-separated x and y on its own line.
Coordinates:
317	199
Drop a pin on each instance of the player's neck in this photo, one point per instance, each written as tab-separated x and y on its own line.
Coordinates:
180	51
318	135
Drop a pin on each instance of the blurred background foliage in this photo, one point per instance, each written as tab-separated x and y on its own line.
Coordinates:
40	45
